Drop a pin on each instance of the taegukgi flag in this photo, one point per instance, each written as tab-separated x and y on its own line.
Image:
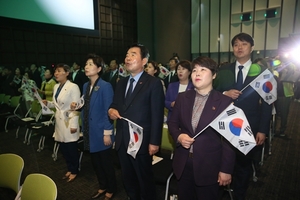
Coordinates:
122	71
136	138
163	72
45	109
233	125
266	86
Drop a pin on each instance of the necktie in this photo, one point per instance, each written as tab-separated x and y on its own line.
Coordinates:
129	91
239	80
111	75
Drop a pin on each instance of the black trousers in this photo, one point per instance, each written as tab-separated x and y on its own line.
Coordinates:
188	190
70	153
137	175
104	169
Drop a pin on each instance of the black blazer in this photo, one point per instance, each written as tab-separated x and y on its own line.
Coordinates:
112	80
80	79
145	108
174	78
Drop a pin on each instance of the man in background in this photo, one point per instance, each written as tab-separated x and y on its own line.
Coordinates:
78	76
231	80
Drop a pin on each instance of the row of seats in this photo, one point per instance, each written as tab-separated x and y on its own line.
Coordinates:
36	186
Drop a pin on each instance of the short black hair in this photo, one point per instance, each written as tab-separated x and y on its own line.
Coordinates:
97	60
207	62
243	37
143	49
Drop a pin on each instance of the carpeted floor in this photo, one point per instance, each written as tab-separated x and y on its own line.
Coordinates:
278	177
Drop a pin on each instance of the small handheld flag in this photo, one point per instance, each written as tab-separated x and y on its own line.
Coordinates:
136	138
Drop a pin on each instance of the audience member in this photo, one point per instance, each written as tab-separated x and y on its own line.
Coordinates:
285	97
17	81
7	87
78	77
97	128
143	105
26	90
48	85
35	75
66	130
183	71
153	70
172	77
198	174
230	80
112	75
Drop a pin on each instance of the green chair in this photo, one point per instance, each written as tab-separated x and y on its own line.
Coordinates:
11	168
37	187
1	97
162	170
15	106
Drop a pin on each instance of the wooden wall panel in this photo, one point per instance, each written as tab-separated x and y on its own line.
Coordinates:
204	26
272	34
259	35
214	26
195	26
288	12
224	26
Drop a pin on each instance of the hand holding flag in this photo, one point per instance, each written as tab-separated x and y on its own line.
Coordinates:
233	125
136	138
45	109
266	86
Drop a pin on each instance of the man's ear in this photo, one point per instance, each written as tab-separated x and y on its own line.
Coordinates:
144	61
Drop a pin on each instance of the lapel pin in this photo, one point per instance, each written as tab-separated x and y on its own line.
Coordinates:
213	108
141	82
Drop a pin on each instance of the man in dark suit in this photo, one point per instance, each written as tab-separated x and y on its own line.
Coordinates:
78	76
145	107
112	74
172	77
231	79
36	75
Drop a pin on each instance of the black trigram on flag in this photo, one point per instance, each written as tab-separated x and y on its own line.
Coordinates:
248	130
221	125
231	112
44	108
243	143
267	76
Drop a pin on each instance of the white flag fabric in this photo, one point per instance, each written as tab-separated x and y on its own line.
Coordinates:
233	125
266	86
45	109
136	138
68	113
122	71
163	72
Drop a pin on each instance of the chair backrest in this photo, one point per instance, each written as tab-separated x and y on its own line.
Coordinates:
1	97
37	187
35	107
15	103
167	142
6	99
11	168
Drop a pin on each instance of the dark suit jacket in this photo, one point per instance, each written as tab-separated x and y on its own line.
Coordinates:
174	78
211	152
145	108
257	111
112	80
172	93
80	79
36	76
